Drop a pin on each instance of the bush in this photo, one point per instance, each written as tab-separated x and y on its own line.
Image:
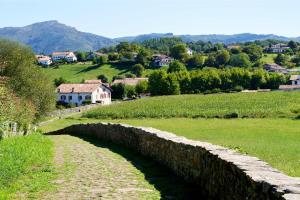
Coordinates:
231	115
238	88
86	102
130	91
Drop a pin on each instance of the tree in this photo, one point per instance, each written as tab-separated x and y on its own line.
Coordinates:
113	56
281	59
222	57
117	77
103	78
143	57
254	52
59	81
101	60
138	70
211	60
196	61
25	78
142	87
240	60
258	79
179	52
176	66
293	45
118	91
157	82
81	56
130	91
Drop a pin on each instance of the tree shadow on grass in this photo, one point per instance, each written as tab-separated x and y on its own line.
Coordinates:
166	182
90	68
118	66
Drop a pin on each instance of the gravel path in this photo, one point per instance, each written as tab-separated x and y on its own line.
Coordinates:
93	170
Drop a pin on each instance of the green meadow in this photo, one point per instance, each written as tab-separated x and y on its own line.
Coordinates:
79	71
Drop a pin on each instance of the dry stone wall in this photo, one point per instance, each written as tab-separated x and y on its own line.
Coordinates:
219	172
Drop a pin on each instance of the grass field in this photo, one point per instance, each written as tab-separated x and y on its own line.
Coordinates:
268	58
78	72
253	105
25	166
274	140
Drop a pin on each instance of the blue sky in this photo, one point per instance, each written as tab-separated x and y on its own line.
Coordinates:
113	18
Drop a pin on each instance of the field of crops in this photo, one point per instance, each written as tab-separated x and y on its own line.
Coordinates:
252	105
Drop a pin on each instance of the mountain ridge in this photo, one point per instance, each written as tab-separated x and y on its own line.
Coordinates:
48	36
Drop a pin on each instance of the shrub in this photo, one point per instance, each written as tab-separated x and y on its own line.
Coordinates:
86	102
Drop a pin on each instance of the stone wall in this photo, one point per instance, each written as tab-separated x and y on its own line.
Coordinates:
64	112
220	173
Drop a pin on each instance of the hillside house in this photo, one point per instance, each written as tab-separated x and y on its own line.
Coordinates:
68	56
189	51
44	60
278	48
129	81
295	79
295	83
78	93
275	68
161	60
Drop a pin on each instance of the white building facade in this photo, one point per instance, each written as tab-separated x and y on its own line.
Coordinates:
295	79
81	93
44	60
68	56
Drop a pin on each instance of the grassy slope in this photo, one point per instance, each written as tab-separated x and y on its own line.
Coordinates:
256	105
79	71
25	166
273	140
268	58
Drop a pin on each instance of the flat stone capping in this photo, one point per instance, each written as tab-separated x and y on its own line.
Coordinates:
219	172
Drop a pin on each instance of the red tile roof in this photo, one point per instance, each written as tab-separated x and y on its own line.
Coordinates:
77	88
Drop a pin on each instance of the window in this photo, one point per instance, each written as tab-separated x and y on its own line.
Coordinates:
63	97
70	98
88	97
80	98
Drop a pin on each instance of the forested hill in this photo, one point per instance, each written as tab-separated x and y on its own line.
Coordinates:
49	36
227	39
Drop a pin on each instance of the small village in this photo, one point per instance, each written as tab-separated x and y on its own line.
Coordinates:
149	100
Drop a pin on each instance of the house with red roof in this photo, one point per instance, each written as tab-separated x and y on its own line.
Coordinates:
84	92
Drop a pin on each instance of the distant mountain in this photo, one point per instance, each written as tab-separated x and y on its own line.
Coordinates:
227	39
49	36
141	38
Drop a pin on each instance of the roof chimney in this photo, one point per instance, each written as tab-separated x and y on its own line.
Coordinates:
72	90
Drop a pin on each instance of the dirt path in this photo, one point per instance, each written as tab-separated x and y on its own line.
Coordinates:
93	170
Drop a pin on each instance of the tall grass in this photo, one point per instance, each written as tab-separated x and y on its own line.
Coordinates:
25	164
252	105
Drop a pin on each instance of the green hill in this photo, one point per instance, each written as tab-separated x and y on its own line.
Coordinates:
79	71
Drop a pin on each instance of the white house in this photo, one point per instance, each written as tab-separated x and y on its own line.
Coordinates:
44	60
161	60
78	93
189	51
68	56
295	79
278	48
